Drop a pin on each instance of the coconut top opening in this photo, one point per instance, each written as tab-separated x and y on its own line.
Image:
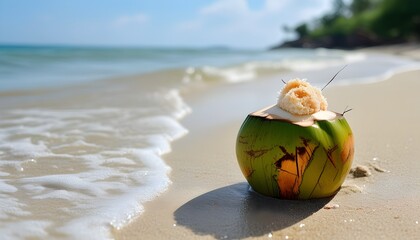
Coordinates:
298	97
299	103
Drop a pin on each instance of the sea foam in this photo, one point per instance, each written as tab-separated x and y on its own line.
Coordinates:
252	70
79	173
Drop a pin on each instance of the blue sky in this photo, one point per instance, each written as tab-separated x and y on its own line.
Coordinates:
197	23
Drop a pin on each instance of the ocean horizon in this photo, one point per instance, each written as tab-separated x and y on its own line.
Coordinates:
39	66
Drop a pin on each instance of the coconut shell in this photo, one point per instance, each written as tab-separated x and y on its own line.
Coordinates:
285	160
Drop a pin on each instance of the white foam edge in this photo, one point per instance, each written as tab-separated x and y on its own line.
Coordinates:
112	213
250	70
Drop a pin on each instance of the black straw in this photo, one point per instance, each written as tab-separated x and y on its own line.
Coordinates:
333	77
347	110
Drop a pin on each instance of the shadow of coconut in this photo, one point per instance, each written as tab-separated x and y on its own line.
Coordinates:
236	212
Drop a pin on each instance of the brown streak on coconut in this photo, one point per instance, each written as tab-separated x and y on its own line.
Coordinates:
257	153
329	154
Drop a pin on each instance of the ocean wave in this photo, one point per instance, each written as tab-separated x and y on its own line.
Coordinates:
34	67
78	173
233	74
257	69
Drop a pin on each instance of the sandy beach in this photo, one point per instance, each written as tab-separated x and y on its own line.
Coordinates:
216	119
152	155
210	199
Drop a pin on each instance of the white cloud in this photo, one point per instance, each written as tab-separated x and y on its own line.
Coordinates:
236	23
275	5
236	7
223	21
129	20
241	8
313	12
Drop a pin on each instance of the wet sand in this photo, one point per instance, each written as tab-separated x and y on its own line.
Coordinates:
210	199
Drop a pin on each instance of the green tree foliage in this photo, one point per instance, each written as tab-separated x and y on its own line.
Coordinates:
359	6
302	30
368	22
398	19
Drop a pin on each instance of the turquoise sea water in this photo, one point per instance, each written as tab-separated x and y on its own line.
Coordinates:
26	67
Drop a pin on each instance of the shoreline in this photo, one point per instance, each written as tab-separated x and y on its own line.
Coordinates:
209	197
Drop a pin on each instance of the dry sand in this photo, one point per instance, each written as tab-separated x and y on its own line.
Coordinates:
209	198
406	50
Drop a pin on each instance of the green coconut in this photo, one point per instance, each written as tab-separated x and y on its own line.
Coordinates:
288	155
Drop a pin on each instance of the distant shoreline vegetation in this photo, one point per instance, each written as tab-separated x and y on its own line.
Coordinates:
360	23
